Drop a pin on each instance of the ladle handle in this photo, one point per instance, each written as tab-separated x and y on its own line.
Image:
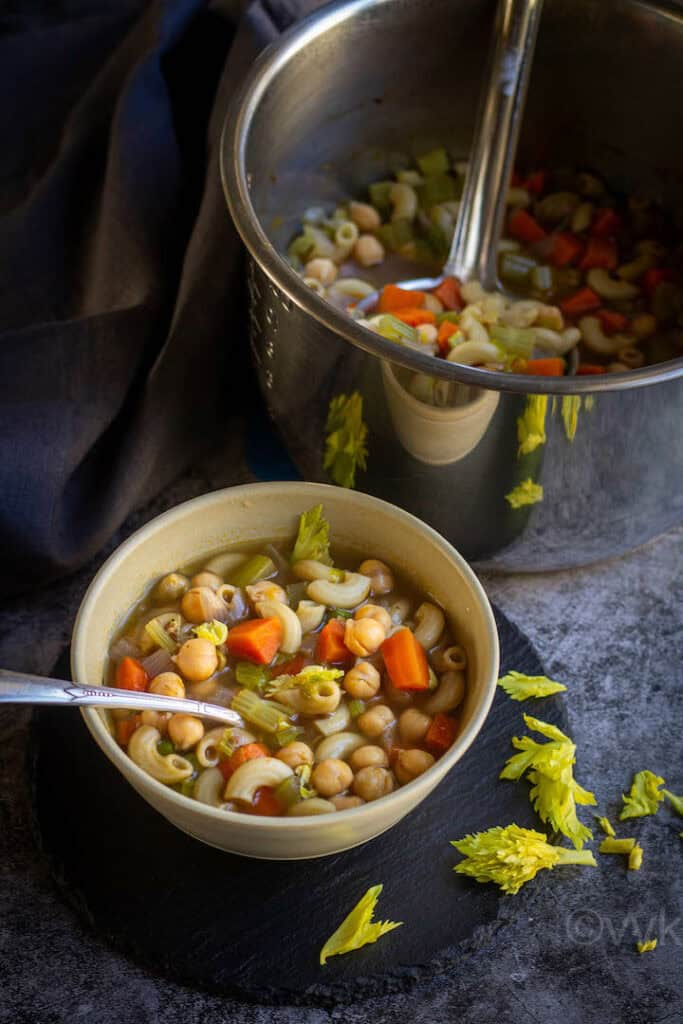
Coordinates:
475	242
16	688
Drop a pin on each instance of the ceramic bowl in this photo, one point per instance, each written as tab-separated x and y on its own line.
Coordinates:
269	511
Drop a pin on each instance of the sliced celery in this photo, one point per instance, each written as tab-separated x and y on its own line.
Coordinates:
518	341
386	236
542	278
288	792
165	747
379	194
402	231
253	677
160	635
356	707
515	269
225	744
437	188
436	162
285	736
259	567
264	714
450	316
393	329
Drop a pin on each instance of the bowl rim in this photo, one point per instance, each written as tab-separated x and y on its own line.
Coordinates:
236	189
260	490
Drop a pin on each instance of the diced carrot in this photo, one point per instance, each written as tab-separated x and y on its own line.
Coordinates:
392	298
612	322
448	294
526	228
414	317
265	802
583	301
553	366
406	661
585	369
291	668
600	252
606	223
566	249
446	329
652	278
130	675
125	727
441	732
255	640
245	753
535	183
330	648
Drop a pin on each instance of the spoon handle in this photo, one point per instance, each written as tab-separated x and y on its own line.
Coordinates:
482	209
16	688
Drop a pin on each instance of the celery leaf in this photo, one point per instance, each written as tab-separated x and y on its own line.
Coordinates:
520	687
644	796
358	929
313	537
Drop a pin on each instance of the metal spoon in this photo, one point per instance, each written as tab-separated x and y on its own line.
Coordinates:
16	688
474	249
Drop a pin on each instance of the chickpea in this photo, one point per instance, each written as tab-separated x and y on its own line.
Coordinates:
364	216
412	725
168	684
376	612
362	681
198	603
368	251
171	587
197	659
363	757
364	636
296	754
373	782
185	731
375	720
157	719
266	590
331	776
345	803
411	763
207	579
321	269
380	574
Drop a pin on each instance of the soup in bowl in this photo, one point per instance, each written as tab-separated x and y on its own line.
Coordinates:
361	674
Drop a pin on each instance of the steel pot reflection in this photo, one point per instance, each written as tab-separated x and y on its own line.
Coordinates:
334	105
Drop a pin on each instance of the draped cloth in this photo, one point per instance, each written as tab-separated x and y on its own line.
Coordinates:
122	327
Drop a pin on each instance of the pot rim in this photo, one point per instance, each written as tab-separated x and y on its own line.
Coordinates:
234	177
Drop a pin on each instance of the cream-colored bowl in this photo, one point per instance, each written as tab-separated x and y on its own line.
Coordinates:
269	511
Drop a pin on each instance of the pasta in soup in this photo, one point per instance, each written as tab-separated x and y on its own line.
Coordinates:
346	678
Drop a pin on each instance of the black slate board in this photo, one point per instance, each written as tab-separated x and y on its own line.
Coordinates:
253	928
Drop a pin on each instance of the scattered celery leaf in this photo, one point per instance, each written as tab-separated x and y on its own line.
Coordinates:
520	687
612	845
215	632
511	856
358	929
675	801
526	493
531	424
346	439
554	792
571	406
313	538
635	858
645	947
605	824
644	797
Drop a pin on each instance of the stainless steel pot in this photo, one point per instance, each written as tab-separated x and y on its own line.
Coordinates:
333	106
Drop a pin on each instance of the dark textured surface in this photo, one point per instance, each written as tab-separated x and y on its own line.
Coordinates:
180	933
612	632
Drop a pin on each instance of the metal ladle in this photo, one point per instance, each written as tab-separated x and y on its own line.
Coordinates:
474	248
16	688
